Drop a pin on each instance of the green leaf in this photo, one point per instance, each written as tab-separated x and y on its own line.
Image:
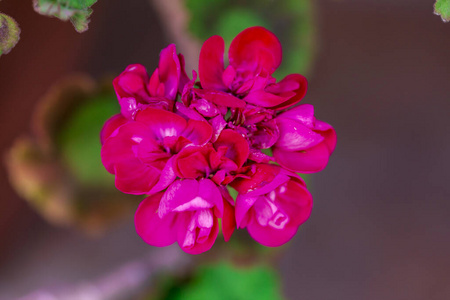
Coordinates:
224	281
233	192
442	8
77	11
80	141
80	20
9	33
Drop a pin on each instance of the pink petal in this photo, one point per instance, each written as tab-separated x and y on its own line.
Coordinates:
111	127
328	132
277	214
265	178
237	146
258	156
128	107
206	242
192	162
208	190
210	65
220	98
300	92
229	219
154	85
265	99
254	49
250	84
184	79
169	71
265	187
190	195
156	231
189	113
302	113
219	160
295	136
283	86
259	175
228	76
311	160
166	178
149	152
119	148
294	197
161	123
243	204
205	107
187	94
133	177
268	236
219	177
218	123
180	193
132	82
266	135
198	132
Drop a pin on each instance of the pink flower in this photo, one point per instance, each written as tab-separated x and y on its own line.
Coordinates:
257	124
305	143
136	90
140	152
220	161
186	213
254	55
272	204
183	142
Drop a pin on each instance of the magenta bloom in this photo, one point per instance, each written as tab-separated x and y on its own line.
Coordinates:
220	161
140	151
186	213
183	142
305	143
272	204
254	55
257	124
136	90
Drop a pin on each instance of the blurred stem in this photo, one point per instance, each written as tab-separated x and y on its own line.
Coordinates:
175	19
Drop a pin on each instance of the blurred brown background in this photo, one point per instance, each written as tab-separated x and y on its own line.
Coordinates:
380	226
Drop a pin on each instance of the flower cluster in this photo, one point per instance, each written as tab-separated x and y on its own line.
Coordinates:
184	141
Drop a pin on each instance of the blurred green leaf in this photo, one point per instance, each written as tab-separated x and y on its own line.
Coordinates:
233	192
224	281
442	8
290	20
80	20
9	33
306	178
234	20
267	151
203	16
77	11
80	141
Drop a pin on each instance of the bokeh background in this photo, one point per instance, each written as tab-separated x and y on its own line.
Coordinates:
380	228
